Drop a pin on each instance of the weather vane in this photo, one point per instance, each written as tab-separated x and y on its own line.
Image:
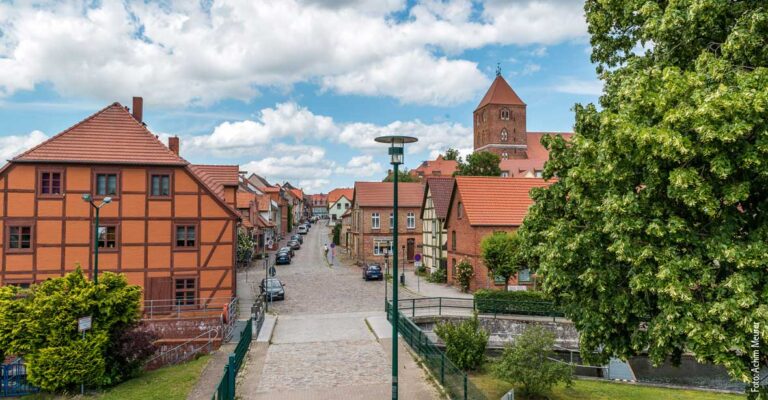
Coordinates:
498	69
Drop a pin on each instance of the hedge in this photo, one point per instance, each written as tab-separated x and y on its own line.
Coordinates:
515	302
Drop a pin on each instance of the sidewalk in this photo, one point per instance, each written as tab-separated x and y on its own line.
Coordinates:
420	286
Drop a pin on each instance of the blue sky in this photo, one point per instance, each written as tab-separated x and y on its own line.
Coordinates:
293	89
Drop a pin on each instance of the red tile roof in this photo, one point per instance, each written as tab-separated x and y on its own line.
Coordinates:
245	198
500	93
380	194
110	136
263	202
495	201
535	148
335	194
217	176
440	188
518	168
428	168
271	189
298	193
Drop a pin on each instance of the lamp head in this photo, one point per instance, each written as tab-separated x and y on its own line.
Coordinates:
87	197
107	200
397	143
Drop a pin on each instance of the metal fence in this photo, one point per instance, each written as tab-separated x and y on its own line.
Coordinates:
203	343
427	306
186	308
226	388
13	380
451	377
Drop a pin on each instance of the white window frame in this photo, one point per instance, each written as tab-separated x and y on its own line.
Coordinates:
379	245
505	156
375	221
504	135
391	221
411	220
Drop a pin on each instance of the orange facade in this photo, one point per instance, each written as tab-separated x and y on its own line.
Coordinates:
177	234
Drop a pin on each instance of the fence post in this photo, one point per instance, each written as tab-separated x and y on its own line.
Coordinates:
413	307
232	376
465	386
442	368
440	306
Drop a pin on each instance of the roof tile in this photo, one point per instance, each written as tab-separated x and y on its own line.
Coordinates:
500	93
440	188
380	194
495	201
217	176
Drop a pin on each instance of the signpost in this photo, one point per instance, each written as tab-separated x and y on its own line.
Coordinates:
84	324
416	266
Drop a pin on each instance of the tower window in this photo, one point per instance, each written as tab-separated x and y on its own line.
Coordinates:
505	114
505	156
484	116
504	135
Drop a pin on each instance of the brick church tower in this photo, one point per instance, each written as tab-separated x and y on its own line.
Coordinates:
499	122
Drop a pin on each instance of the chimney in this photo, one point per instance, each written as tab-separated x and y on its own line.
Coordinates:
138	109
173	144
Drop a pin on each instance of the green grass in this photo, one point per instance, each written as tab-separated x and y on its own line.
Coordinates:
599	390
169	383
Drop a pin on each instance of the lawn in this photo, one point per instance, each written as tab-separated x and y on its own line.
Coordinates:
170	383
599	390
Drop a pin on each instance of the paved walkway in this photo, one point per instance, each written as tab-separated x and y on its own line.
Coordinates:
322	347
421	287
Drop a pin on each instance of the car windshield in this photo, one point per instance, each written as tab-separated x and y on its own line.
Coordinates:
274	284
285	250
374	268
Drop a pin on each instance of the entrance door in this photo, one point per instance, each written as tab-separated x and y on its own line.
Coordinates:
410	248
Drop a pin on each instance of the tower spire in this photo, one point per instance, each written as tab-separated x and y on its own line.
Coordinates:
498	69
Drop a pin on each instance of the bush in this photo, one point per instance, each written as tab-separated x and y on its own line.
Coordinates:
337	233
464	343
464	274
439	276
40	324
129	351
516	302
527	362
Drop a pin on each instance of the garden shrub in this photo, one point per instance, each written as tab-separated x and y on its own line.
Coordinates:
465	342
40	324
464	274
524	302
439	276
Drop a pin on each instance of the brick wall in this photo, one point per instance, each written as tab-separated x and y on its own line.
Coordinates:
488	130
364	252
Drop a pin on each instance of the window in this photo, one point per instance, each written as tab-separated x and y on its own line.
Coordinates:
460	210
19	238
505	156
160	185
499	280
505	174
338	206
434	227
524	275
504	114
411	220
391	221
453	267
375	221
504	135
346	206
50	183
186	288
453	241
538	173
381	245
186	236
107	236
106	184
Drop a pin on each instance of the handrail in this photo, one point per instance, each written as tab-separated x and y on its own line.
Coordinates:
209	342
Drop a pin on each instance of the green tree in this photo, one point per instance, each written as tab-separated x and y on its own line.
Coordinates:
290	218
465	342
653	238
451	154
337	233
480	163
403	175
464	274
529	362
40	324
245	246
501	254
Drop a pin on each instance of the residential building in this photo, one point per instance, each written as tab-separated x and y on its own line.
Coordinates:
438	167
480	206
319	203
170	226
434	209
339	201
372	222
269	210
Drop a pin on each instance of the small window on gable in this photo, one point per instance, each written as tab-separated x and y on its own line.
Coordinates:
460	210
505	114
504	135
504	174
160	185
453	240
50	183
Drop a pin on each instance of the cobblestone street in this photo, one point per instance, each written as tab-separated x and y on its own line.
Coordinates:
321	347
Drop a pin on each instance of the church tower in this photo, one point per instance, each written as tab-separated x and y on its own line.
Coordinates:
499	122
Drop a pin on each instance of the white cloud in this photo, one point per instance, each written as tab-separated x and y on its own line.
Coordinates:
431	136
531	68
305	166
361	166
182	53
580	86
11	146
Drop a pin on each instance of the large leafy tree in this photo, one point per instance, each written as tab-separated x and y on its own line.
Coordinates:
654	237
480	163
452	154
501	254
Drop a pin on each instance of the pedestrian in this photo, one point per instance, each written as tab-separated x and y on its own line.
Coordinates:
325	249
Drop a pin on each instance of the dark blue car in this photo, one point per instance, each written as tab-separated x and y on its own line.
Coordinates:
372	272
282	258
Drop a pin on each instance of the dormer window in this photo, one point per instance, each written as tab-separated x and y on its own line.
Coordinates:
505	114
504	135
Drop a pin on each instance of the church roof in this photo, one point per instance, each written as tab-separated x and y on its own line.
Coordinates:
500	93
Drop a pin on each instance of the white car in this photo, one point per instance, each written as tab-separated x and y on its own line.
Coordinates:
302	230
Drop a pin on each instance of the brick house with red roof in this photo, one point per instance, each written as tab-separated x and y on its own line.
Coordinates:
480	206
434	209
372	226
170	227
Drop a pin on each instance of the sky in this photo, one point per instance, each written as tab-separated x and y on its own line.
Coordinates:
294	90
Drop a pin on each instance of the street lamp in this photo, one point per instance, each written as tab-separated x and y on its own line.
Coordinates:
396	147
88	199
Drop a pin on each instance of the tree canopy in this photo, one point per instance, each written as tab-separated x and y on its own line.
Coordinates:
501	254
480	163
451	154
654	237
403	175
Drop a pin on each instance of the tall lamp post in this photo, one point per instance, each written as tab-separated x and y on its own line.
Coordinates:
396	147
88	199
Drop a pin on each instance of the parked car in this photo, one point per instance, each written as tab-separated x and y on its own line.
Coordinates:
372	272
302	230
287	249
282	258
298	238
273	287
294	244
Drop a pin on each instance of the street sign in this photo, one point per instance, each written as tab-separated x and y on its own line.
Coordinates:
84	324
417	257
333	245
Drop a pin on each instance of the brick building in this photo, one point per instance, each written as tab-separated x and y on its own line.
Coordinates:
372	220
480	206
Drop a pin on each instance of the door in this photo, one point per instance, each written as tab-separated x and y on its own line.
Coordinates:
411	246
160	299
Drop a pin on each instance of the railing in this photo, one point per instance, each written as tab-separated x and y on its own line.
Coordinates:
451	377
13	380
258	311
186	350
173	308
226	387
230	317
428	306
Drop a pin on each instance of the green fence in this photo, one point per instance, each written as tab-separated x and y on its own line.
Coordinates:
451	377
226	388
